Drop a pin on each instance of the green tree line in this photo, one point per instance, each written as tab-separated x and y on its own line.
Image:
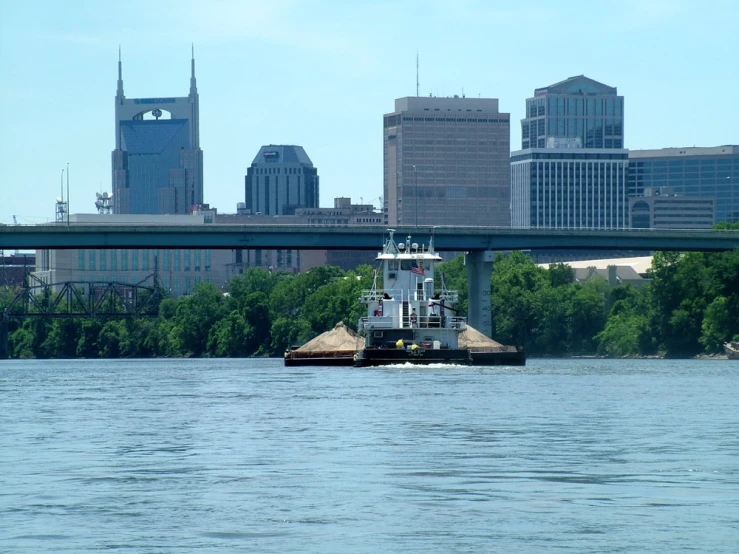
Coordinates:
689	306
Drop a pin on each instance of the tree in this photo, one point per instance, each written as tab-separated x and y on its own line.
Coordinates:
716	323
588	314
333	302
256	279
516	308
626	332
561	275
258	322
61	339
109	340
553	334
286	332
454	275
87	342
230	338
194	317
679	289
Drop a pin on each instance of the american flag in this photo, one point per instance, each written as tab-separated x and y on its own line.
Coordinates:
415	269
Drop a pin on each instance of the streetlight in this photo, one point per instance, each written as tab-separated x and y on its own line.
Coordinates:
415	191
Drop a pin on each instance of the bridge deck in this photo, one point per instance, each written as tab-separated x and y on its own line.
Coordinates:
218	236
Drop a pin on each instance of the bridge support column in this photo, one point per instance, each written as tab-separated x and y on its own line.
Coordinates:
479	272
4	345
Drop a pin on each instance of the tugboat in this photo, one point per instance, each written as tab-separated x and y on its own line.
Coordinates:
410	320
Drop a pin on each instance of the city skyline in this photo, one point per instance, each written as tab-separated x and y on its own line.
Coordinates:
322	76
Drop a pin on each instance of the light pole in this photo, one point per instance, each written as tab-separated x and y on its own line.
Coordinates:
415	191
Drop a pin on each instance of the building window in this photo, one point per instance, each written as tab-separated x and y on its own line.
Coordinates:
114	260
187	261
207	259
81	260
134	260
91	257
166	260
145	260
124	260
177	263
103	260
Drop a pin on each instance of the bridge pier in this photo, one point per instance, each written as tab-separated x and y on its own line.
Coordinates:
4	344
479	272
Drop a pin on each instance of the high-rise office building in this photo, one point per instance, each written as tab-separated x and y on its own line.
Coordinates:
157	161
446	162
572	170
569	188
708	173
577	108
280	180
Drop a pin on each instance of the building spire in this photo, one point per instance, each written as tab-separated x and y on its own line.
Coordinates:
193	83
119	91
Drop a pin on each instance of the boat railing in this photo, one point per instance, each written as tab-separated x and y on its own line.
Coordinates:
450	296
376	322
458	323
375	295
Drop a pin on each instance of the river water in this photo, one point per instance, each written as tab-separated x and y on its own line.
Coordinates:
180	456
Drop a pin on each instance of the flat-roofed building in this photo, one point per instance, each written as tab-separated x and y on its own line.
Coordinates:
696	172
178	270
14	267
343	214
446	162
661	208
569	188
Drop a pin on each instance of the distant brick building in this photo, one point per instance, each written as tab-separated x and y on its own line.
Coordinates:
14	267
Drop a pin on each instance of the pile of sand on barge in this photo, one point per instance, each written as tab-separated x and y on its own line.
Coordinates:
339	345
475	341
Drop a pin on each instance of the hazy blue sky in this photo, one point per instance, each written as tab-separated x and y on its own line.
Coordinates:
322	73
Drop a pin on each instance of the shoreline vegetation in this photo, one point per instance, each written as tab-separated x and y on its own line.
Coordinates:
687	309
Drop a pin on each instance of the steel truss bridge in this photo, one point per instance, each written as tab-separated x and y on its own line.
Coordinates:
93	299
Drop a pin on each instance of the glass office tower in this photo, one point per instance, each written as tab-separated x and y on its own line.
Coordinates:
569	188
711	173
280	180
588	113
157	163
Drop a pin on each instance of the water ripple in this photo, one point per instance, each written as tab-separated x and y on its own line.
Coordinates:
160	456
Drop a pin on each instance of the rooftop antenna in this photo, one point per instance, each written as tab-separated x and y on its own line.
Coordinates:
119	91
61	207
67	193
193	82
416	72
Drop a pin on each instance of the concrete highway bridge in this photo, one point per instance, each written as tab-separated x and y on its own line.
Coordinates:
480	242
304	237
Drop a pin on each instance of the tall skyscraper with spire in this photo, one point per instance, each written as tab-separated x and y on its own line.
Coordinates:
157	162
